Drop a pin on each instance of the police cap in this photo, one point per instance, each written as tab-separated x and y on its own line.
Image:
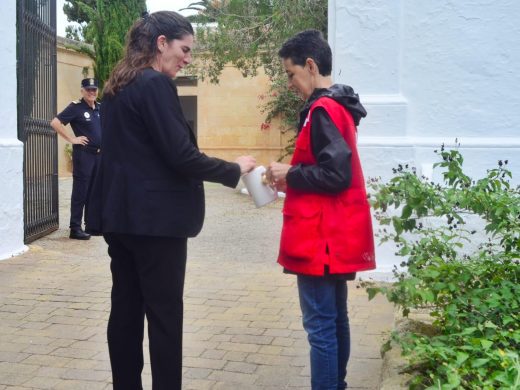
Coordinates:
89	83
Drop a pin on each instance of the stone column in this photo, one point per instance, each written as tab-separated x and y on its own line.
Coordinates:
11	149
431	73
365	39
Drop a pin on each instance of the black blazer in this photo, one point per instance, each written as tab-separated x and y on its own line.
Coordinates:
151	177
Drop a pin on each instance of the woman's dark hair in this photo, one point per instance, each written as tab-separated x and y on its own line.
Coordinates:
141	46
308	44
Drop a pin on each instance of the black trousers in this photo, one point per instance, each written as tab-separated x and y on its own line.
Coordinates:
148	279
84	168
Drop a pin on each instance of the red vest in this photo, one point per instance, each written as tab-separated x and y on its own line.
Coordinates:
340	222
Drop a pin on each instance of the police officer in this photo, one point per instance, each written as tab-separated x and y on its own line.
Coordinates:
83	116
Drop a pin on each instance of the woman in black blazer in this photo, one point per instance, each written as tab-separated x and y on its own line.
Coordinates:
149	198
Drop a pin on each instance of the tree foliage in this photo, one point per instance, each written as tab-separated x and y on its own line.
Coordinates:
79	11
248	35
103	23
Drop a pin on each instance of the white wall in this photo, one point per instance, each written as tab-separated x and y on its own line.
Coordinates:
429	72
11	150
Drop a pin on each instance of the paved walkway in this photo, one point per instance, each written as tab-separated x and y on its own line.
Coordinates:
242	320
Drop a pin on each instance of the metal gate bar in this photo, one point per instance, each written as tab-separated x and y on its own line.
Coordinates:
36	55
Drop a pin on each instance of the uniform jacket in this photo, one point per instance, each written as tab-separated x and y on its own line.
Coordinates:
152	172
84	120
327	227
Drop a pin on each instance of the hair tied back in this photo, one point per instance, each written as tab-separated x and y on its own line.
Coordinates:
145	15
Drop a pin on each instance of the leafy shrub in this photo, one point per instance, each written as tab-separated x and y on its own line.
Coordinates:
68	151
472	293
284	104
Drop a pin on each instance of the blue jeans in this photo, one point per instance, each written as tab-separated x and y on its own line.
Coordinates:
324	307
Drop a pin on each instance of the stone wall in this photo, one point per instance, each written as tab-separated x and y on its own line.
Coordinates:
229	117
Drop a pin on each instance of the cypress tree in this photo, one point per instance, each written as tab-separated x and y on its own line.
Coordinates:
104	23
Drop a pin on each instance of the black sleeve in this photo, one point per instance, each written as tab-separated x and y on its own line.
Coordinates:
68	114
332	171
164	118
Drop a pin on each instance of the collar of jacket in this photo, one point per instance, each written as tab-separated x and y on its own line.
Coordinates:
343	94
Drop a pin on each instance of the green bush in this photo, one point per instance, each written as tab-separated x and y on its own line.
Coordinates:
68	151
471	290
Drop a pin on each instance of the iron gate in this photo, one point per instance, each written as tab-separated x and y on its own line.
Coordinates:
36	71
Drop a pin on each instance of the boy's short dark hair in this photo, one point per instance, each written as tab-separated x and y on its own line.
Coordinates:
308	44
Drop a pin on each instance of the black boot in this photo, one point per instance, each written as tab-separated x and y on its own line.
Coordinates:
79	234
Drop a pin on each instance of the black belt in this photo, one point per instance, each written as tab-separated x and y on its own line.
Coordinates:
88	148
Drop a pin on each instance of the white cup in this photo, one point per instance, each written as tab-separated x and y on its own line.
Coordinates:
261	191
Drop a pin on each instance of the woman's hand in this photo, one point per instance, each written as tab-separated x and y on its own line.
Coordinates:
247	163
276	175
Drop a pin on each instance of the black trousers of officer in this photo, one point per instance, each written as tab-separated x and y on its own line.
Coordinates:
85	164
147	279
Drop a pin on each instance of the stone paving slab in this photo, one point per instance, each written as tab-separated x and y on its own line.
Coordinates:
242	319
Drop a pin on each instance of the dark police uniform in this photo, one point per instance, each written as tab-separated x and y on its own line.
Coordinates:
85	121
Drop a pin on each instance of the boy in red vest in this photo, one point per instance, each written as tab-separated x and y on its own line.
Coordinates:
327	231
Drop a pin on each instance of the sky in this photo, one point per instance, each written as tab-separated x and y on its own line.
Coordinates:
153	5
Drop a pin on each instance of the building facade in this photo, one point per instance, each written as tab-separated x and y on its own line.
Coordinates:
431	73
